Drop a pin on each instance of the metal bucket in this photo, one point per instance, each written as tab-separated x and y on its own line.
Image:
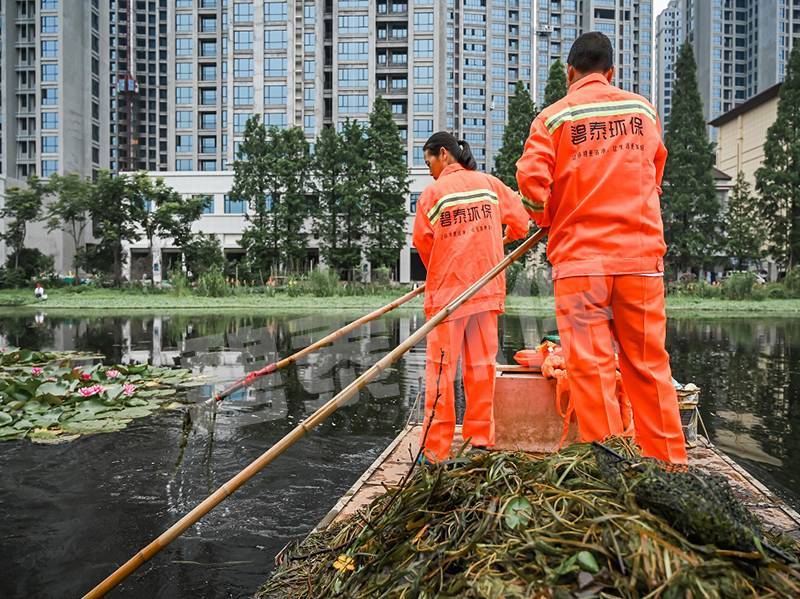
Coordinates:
688	400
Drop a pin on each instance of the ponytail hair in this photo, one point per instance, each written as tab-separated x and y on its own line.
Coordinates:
459	150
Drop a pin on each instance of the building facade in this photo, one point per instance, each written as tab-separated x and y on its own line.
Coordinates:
741	48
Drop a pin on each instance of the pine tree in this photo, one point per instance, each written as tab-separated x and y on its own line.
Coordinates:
387	188
778	179
741	222
327	169
556	84
690	207
291	168
521	112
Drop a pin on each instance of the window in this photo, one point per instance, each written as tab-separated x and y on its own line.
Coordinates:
275	119
423	21
353	24
423	75
49	167
242	95
423	128
49	48
49	120
275	95
353	51
49	24
275	39
183	119
423	102
309	42
184	164
309	68
275	11
309	124
208	206
183	23
49	4
49	144
242	12
243	67
243	40
309	96
208	48
412	204
208	145
183	143
183	95
49	72
423	48
239	121
208	24
234	206
208	72
208	96
419	156
208	120
274	67
353	104
183	47
183	71
353	77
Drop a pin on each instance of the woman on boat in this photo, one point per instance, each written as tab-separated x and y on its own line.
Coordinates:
458	232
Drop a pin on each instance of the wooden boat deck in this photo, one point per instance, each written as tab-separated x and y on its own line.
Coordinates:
390	467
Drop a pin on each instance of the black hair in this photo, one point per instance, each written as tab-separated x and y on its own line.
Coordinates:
591	53
459	150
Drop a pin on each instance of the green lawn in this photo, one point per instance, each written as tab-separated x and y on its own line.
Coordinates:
111	300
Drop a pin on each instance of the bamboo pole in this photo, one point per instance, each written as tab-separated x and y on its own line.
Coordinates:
325	341
301	429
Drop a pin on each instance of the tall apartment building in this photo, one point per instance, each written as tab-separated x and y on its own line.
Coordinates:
741	47
669	39
628	24
52	59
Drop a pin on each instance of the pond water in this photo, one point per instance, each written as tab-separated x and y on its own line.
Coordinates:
69	514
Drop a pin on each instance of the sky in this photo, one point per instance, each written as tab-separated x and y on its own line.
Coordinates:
658	6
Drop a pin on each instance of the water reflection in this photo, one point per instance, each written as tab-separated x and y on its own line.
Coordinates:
81	509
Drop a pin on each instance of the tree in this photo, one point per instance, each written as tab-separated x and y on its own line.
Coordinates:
341	172
270	174
162	211
778	179
521	112
117	211
556	84
742	228
387	188
202	253
690	206
22	206
69	210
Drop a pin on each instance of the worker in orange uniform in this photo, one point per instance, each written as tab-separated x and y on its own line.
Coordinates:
458	234
591	172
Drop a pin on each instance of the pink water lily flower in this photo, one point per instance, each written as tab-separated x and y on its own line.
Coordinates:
112	374
89	391
86	376
129	389
36	371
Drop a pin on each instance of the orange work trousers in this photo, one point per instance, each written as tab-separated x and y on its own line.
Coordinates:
476	337
593	311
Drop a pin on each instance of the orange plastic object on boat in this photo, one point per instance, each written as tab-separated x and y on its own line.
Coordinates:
532	358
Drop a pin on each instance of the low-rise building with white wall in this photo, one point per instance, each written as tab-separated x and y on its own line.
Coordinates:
225	218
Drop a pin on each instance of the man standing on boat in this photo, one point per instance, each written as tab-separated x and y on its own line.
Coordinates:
458	234
591	172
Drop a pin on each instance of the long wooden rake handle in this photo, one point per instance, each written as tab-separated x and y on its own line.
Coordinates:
325	341
301	429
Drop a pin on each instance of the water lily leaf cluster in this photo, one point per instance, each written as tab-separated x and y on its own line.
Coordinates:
57	402
15	356
507	525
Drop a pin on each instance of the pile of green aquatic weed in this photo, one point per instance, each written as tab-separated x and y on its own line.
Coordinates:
496	524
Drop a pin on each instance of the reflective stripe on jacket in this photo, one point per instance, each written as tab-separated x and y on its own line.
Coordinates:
591	171
458	234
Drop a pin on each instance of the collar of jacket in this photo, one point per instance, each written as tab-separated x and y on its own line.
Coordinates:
593	78
451	168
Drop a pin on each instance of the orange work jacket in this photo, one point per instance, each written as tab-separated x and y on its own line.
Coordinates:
459	236
591	172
